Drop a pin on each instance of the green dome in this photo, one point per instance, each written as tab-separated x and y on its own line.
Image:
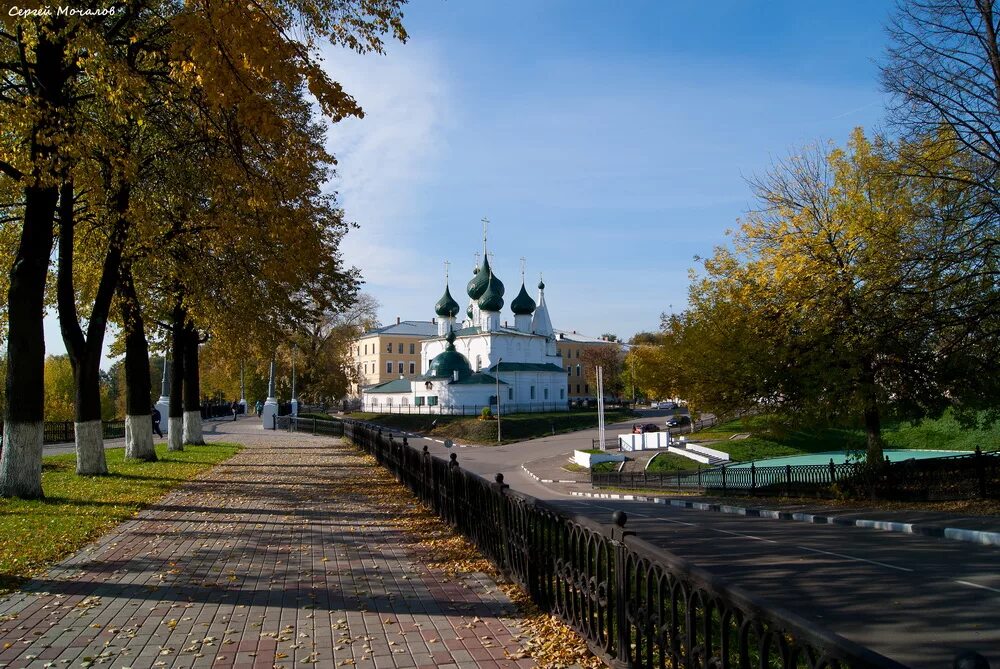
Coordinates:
468	311
541	285
492	298
477	285
522	305
447	306
446	363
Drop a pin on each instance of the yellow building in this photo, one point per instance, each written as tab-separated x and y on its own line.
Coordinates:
390	352
571	346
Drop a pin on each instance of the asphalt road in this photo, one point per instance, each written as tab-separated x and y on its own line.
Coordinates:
915	599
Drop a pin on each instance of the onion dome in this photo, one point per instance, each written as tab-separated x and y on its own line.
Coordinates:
492	298
541	285
446	363
468	310
477	285
447	307
522	305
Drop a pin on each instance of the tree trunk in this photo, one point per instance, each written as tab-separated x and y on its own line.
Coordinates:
175	420
138	385
21	459
192	389
873	421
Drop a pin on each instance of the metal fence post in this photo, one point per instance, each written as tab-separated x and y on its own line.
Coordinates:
623	636
833	472
980	471
753	477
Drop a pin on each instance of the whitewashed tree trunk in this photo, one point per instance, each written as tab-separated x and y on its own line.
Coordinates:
21	462
175	434
90	448
139	438
192	428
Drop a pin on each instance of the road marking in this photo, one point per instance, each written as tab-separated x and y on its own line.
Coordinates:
976	585
748	536
642	515
856	559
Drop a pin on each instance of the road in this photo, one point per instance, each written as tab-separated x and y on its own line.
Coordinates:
915	599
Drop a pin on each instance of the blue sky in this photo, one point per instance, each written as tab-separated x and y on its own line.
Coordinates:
607	142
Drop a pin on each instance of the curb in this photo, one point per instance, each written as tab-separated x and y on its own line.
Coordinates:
541	480
954	533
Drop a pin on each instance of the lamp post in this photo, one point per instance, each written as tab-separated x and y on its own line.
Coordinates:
499	360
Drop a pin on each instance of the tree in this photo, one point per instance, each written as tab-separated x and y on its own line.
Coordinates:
814	310
611	359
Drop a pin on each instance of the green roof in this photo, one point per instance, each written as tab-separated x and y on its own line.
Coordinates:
394	386
446	306
522	304
446	363
528	367
492	299
480	379
477	284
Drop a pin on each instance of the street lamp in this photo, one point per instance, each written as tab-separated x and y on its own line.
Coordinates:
499	360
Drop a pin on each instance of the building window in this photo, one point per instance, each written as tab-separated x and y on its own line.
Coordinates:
388	368
510	394
569	370
388	401
406	401
399	347
559	352
545	393
418	401
479	362
388	347
412	349
432	401
562	392
413	367
586	388
578	353
578	370
366	349
400	368
532	392
578	389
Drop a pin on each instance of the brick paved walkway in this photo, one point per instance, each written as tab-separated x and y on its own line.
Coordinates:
272	559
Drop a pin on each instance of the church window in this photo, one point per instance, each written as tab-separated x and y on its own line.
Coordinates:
388	401
562	392
510	393
432	401
413	367
479	362
406	401
388	367
412	349
532	392
545	393
418	401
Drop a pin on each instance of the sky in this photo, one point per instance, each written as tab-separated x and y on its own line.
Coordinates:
607	142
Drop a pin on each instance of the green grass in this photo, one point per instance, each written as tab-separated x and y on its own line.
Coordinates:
605	467
77	509
770	438
668	462
516	427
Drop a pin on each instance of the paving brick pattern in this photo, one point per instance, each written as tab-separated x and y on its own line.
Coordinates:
272	559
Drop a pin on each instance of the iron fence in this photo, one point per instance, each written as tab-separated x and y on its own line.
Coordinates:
635	604
953	477
62	431
465	409
331	427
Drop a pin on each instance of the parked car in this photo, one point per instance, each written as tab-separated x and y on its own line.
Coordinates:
678	421
648	427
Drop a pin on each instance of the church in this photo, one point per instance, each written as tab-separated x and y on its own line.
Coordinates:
479	361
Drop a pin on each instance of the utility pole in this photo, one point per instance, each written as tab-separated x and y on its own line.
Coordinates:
499	360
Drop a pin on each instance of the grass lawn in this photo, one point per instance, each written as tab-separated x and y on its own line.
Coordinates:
668	462
516	427
771	439
78	509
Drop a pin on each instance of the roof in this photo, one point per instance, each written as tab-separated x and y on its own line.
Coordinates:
528	367
447	306
448	363
522	305
421	329
475	330
563	335
480	379
394	386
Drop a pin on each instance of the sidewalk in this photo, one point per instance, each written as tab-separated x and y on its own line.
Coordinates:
281	556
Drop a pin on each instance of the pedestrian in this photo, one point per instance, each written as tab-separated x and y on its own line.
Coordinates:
236	409
258	407
155	414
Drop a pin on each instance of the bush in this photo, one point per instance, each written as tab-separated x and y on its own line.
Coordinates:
485	414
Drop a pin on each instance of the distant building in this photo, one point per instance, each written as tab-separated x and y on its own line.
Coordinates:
572	347
466	363
390	352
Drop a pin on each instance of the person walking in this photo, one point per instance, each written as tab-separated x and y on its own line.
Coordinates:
155	414
236	409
